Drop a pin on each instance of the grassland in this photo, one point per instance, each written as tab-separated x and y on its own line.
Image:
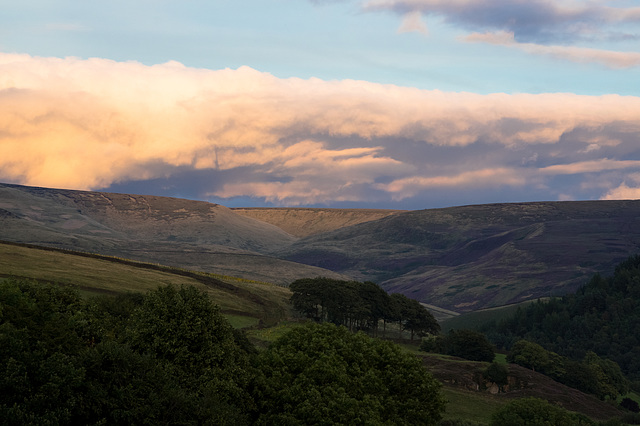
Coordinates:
246	302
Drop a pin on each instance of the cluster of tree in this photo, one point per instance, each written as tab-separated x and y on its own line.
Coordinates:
360	306
170	357
597	376
467	344
602	317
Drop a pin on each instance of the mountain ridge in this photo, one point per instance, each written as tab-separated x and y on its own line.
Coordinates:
457	258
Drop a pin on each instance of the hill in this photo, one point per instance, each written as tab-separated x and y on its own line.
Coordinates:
303	222
175	232
474	399
96	274
459	259
472	257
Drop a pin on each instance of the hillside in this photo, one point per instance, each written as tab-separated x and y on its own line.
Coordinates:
463	381
303	222
460	258
472	257
95	274
183	233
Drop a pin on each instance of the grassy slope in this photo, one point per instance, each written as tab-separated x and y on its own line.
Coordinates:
247	301
183	233
468	404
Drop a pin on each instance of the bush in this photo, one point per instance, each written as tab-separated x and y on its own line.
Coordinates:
630	404
497	373
468	344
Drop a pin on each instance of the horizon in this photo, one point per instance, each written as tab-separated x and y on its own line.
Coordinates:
393	104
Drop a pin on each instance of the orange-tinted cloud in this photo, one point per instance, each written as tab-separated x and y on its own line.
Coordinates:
608	58
89	124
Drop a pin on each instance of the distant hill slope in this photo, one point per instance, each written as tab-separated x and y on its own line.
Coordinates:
303	222
190	234
459	258
472	257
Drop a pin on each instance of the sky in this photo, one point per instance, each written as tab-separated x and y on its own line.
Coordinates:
403	104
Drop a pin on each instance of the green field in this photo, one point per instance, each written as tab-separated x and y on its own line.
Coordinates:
246	302
470	406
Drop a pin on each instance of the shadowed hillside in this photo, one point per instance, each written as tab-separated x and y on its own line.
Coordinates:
467	258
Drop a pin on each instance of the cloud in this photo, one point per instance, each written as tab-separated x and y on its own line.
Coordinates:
96	123
540	27
412	22
624	192
607	58
530	21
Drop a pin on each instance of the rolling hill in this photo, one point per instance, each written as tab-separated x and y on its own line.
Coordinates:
96	274
459	258
473	257
170	231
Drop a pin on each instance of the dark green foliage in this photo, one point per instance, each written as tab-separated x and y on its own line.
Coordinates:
536	412
413	316
467	344
170	357
532	355
594	375
602	317
630	404
359	306
183	328
167	358
497	373
324	374
40	377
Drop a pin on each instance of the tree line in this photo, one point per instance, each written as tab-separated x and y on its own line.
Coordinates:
170	357
360	306
602	317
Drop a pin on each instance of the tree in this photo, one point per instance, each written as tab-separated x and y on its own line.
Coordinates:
414	317
529	355
377	303
324	374
467	344
184	328
40	375
497	373
610	382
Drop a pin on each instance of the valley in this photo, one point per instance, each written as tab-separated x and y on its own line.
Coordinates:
457	259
